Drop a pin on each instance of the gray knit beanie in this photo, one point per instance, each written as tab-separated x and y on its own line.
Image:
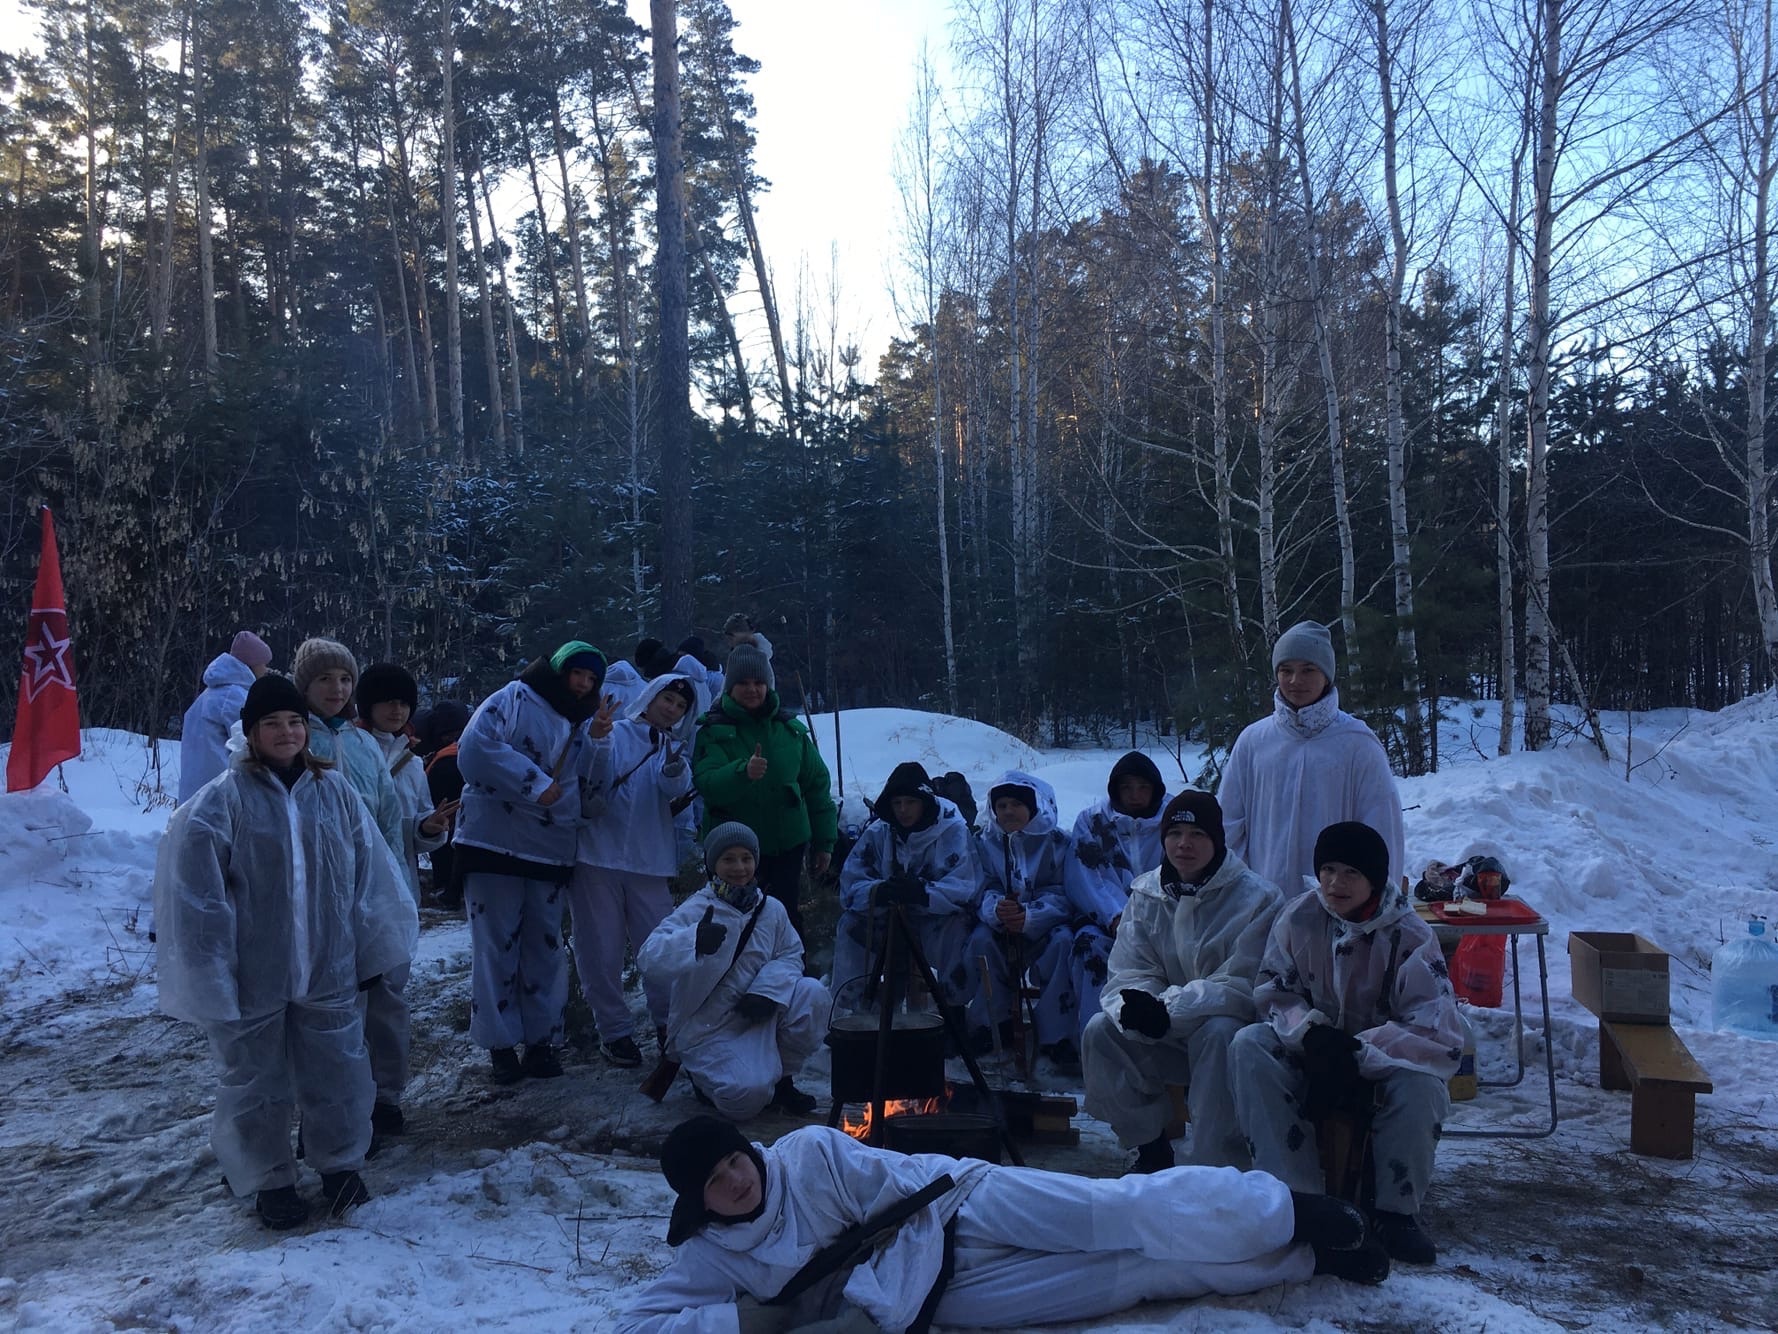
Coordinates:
1306	641
747	663
314	656
719	840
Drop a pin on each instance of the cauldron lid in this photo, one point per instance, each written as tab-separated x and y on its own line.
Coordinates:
867	1023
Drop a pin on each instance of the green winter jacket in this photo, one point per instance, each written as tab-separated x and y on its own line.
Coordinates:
792	804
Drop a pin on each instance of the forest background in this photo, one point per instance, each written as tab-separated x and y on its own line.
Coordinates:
1448	326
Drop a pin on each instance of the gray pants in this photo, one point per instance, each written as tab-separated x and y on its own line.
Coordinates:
610	909
943	938
307	1055
1411	1107
386	1023
1127	1078
519	978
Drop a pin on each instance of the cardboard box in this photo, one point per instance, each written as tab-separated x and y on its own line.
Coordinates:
1619	976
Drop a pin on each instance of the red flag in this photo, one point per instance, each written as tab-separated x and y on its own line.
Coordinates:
48	727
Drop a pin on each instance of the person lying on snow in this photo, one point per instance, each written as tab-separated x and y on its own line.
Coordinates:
741	1017
916	854
1002	1247
1022	930
1357	1017
1180	986
277	902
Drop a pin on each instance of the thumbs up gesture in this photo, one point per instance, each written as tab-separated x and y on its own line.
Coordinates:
756	767
710	934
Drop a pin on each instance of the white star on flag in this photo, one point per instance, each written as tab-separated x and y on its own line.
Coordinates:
48	658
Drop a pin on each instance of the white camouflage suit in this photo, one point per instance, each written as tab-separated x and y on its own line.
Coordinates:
1382	981
1030	1247
271	906
1196	949
1030	867
736	1062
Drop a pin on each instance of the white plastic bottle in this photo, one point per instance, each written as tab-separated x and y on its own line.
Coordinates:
1744	984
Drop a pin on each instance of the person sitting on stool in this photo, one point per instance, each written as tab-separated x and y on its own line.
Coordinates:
1356	1016
1179	987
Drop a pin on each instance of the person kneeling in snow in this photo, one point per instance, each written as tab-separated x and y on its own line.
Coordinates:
741	1017
276	903
1179	987
1004	1247
1356	1016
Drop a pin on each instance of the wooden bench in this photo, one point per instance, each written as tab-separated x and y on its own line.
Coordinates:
1663	1079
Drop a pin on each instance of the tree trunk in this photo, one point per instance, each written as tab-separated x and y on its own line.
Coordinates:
571	220
1210	205
726	326
1401	551
1318	302
447	209
673	359
206	243
1759	532
1537	410
514	370
485	306
1503	469
161	280
549	261
763	277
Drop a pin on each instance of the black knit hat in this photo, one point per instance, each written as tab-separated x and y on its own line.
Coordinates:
1357	845
271	694
1195	808
384	681
688	1158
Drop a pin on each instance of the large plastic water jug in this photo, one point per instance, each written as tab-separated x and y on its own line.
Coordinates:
1744	984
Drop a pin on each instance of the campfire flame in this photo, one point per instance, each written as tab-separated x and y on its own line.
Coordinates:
861	1129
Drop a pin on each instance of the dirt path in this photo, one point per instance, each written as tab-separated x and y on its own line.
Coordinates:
104	1126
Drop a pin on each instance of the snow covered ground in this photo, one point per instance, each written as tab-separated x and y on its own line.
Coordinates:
540	1204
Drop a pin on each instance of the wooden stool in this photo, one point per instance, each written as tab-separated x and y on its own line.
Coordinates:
1663	1078
1344	1142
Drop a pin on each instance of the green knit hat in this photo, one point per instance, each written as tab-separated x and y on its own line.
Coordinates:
579	653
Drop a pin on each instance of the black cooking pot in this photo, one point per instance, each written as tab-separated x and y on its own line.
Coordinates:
955	1134
916	1066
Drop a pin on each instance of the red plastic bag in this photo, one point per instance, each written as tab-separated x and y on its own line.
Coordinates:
1478	969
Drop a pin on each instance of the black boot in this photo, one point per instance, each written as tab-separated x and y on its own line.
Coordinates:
343	1191
1326	1223
281	1208
541	1061
1154	1156
1368	1264
507	1069
386	1118
1403	1238
787	1097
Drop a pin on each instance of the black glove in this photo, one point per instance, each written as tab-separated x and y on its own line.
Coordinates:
710	934
1143	1013
904	888
1330	1064
370	982
753	1007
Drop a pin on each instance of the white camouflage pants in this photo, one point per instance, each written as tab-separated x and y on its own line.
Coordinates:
1126	1080
738	1064
519	978
1039	1247
1268	1082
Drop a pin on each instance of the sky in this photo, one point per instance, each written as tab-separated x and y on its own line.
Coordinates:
833	92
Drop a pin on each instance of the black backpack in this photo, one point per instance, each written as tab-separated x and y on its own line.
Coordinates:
954	788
